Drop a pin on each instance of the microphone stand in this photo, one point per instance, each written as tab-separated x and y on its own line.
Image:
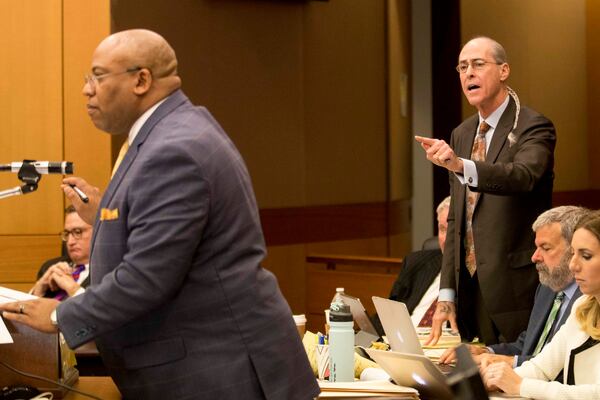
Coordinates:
28	175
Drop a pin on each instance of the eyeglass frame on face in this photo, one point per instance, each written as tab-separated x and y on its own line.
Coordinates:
77	234
93	80
477	64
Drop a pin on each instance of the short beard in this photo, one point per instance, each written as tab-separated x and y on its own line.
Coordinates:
560	277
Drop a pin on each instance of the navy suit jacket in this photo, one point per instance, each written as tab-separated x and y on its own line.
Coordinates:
179	304
525	344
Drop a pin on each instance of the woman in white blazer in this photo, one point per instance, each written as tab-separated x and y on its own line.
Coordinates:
576	346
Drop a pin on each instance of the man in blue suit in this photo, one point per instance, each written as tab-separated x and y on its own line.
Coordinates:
178	305
553	232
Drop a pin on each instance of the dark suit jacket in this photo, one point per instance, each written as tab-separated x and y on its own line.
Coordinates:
515	183
525	344
48	263
417	273
179	305
419	269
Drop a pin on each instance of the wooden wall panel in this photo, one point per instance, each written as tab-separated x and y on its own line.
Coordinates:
546	45
47	47
86	146
31	110
593	97
21	256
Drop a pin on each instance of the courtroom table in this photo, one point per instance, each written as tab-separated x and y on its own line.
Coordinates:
100	386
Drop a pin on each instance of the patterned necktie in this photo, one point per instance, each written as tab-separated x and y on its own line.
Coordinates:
477	154
428	316
120	157
549	322
61	294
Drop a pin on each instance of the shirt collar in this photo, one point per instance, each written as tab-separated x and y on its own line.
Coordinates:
493	119
137	125
570	290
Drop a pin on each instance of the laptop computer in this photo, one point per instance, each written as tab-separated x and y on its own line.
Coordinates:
400	331
367	333
398	326
413	370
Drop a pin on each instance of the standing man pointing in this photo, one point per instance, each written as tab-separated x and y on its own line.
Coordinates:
179	305
500	164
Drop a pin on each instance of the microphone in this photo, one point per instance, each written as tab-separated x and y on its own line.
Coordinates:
42	167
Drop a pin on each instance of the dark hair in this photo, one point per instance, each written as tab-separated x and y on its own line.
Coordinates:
70	209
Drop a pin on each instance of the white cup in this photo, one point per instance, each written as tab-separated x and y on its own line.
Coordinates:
300	321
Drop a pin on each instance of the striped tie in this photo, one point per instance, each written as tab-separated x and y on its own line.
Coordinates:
61	294
477	154
549	322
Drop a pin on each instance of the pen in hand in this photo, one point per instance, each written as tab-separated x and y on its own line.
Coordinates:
81	195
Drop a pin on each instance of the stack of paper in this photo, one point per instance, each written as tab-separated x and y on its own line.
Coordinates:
8	296
366	389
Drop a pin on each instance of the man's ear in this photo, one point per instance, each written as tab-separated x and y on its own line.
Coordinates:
144	81
504	72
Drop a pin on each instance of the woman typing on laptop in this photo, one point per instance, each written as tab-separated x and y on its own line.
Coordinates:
576	346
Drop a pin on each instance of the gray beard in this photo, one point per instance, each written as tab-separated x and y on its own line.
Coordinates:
559	278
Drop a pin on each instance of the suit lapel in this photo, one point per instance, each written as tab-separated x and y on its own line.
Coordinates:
567	312
501	132
546	302
172	102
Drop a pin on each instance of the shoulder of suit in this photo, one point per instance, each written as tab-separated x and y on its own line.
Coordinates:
468	124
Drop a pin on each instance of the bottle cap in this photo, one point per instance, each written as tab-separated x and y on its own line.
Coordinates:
340	312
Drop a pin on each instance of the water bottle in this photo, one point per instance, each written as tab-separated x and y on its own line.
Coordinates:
341	343
338	295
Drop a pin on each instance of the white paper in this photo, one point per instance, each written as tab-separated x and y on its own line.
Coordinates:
9	296
4	335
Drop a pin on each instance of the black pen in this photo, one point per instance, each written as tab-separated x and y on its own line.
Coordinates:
81	195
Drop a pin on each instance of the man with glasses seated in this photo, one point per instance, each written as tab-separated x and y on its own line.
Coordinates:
67	275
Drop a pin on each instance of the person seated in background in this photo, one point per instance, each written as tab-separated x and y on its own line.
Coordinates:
575	347
554	296
418	282
66	276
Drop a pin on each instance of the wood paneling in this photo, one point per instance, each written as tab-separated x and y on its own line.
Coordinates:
549	70
585	198
86	146
21	256
47	46
593	86
283	226
321	284
31	110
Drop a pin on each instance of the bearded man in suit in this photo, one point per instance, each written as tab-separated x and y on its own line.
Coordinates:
553	233
500	164
179	305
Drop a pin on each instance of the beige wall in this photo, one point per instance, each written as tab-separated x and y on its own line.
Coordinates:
45	47
546	45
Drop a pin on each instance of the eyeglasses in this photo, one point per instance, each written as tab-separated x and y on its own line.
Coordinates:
477	64
77	233
93	80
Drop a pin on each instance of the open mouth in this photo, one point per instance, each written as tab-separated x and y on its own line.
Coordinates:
472	87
